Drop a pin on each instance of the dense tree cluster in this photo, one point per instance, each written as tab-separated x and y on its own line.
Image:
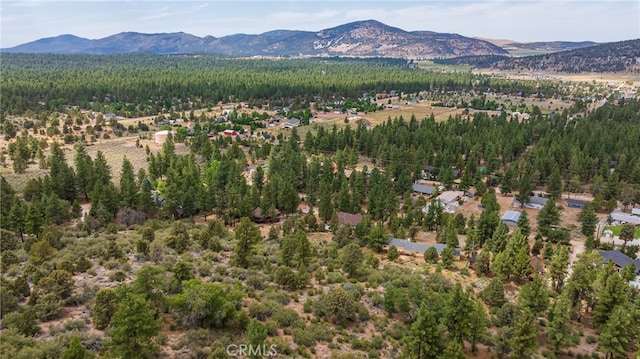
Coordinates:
143	84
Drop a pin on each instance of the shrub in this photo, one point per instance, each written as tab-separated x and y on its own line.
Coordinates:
22	322
393	254
591	339
307	307
128	217
47	307
285	317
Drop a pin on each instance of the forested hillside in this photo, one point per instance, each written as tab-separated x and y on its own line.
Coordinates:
604	58
219	241
139	85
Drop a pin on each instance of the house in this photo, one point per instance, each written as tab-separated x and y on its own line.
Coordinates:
435	170
622	218
537	265
349	219
449	197
535	202
423	189
620	260
156	198
510	218
407	247
294	122
109	116
258	215
575	203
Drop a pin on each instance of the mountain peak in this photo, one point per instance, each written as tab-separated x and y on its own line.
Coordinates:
367	38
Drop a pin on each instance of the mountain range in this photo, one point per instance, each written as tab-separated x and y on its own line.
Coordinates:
622	56
357	39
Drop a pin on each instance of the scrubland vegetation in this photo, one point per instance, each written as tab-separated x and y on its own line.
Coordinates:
172	258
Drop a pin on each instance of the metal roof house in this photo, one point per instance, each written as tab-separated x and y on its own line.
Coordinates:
408	246
535	202
423	189
575	203
620	260
510	218
625	218
448	197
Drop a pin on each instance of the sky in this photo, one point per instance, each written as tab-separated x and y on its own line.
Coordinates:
519	20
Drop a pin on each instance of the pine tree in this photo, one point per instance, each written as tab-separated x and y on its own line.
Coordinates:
525	187
482	264
454	350
425	338
493	293
17	218
502	265
627	233
247	236
61	179
588	219
521	267
523	223
508	181
431	255
106	303
523	338
558	268
618	332
612	291
498	241
84	171
559	325
534	296
448	256
351	259
128	189
548	216
479	324
456	314
133	327
554	185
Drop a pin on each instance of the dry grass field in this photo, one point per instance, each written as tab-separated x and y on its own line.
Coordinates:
114	150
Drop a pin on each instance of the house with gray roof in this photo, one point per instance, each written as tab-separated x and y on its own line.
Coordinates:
620	260
622	218
535	202
406	246
423	189
510	218
575	203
